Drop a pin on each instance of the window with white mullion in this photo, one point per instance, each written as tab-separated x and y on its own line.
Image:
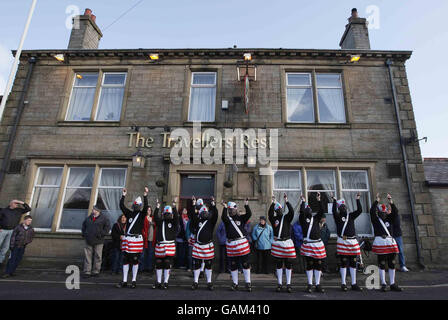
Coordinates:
111	96
82	96
202	97
330	98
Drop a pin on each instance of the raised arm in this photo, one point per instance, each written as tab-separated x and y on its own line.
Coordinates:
355	214
214	212
145	201
157	217
271	210
394	209
373	208
175	213
225	214
302	210
123	208
248	214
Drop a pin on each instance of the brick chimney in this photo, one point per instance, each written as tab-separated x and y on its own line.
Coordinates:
356	35
85	33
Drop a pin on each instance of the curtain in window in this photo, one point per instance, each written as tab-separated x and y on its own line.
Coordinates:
202	104
324	181
300	105
81	104
77	198
109	198
331	105
45	197
288	180
110	104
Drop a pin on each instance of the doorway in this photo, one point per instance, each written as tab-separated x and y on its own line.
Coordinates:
198	185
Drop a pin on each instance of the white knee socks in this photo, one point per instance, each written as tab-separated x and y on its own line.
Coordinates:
343	272
309	275
234	274
288	276
159	275
125	272
392	276
208	275
166	275
246	275
134	272
353	275
202	266
280	276
383	276
317	274
196	273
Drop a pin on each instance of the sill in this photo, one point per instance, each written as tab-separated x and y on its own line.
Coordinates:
315	125
203	124
88	123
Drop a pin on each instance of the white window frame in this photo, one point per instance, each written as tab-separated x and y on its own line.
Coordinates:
110	86
58	229
71	95
35	185
331	87
369	200
310	86
202	86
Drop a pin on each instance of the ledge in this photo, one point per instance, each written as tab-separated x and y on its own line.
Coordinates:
319	125
88	123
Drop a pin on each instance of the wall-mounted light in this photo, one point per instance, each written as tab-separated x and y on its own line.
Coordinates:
60	57
247	57
355	58
79	76
251	161
154	56
138	160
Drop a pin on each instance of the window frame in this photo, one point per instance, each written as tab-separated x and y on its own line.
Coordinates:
310	86
192	85
102	85
341	87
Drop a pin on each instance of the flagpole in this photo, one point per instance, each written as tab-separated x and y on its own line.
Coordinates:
16	60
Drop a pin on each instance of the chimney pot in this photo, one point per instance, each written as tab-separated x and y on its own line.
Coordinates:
93	17
88	12
354	13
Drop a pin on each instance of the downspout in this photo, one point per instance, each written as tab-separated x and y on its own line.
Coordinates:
405	160
7	156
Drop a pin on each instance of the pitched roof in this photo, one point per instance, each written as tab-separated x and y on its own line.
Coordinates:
436	171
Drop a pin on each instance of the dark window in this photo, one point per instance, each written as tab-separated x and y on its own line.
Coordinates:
15	167
394	170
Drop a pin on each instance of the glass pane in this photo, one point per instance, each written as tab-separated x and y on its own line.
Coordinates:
363	225
331	105
112	177
199	187
86	79
328	80
108	201
320	180
354	180
111	101
350	200
81	177
44	206
115	79
299	79
287	180
81	103
300	105
202	104
204	78
49	176
76	204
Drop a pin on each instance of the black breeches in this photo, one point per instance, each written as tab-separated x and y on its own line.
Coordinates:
244	260
347	261
131	258
197	264
280	262
386	259
313	264
164	263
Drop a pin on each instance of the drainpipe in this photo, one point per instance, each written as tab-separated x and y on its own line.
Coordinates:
405	160
7	156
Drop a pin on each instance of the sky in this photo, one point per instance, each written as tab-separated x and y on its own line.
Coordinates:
414	25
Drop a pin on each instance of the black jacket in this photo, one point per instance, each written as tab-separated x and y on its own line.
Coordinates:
305	221
206	233
166	228
95	231
10	218
275	220
339	220
388	219
21	237
137	228
117	232
240	221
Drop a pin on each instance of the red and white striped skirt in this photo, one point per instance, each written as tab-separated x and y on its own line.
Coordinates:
237	248
348	247
131	244
314	250
203	251
283	249
384	245
165	249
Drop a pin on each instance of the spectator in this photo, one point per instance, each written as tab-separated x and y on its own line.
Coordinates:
149	231
325	236
9	220
182	240
94	228
262	236
297	238
22	236
398	236
224	264
118	232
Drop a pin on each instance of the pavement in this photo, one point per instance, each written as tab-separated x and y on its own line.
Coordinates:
45	284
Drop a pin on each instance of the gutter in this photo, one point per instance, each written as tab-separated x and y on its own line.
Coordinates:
405	160
20	109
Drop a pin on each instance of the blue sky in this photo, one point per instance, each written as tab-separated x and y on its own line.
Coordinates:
414	25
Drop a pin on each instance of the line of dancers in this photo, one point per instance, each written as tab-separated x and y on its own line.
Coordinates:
204	217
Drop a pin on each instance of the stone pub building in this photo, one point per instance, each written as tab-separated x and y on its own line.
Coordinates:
82	123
